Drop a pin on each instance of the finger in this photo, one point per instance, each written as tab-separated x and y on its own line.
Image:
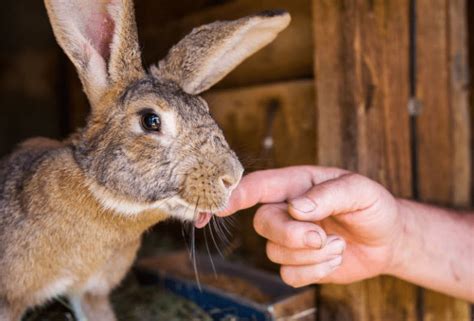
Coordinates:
273	223
302	275
344	194
283	255
277	185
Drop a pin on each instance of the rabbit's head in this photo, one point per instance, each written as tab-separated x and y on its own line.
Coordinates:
150	141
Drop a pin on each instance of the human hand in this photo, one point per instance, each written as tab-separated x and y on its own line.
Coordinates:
322	224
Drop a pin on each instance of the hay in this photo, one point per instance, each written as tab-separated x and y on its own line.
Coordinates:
153	304
131	303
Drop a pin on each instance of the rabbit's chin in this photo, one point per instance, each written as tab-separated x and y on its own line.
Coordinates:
180	209
174	206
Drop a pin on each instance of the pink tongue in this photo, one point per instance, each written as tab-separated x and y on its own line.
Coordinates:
202	219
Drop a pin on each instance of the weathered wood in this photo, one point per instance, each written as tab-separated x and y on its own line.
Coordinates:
288	57
245	116
268	126
361	79
443	125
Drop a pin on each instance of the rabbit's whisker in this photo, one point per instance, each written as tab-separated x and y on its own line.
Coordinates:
184	234
213	238
193	246
209	253
220	232
231	220
222	238
224	227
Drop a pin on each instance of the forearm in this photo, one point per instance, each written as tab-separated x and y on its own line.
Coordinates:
436	249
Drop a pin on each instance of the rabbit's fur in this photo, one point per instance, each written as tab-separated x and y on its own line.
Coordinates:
72	213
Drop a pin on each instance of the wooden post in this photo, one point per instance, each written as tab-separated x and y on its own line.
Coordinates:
443	128
362	90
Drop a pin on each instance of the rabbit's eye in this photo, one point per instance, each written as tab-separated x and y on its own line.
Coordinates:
151	122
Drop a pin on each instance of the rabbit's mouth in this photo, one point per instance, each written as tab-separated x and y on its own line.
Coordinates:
181	209
202	219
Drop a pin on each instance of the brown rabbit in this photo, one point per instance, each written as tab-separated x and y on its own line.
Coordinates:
72	213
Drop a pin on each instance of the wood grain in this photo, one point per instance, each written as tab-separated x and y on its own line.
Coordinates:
361	79
443	126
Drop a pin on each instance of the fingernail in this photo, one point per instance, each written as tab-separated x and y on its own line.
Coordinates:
313	239
335	262
337	246
303	204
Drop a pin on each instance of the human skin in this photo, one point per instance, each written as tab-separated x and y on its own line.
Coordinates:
328	225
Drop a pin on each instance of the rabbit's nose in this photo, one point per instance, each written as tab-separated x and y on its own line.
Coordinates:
230	174
228	181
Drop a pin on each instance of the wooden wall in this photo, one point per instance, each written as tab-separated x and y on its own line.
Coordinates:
393	104
378	87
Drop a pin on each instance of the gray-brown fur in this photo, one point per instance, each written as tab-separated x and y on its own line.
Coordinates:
72	213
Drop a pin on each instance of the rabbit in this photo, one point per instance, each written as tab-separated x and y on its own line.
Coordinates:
72	212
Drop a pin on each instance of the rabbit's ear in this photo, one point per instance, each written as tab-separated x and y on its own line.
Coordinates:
211	51
100	38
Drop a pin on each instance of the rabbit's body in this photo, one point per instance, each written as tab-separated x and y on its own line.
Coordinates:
72	213
64	241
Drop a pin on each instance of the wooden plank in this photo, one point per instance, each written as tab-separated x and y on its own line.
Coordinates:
288	57
361	79
470	20
459	92
281	114
443	125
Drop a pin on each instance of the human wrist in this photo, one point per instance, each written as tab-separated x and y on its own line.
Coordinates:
404	247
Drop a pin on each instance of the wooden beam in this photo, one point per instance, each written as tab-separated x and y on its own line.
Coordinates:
443	127
362	86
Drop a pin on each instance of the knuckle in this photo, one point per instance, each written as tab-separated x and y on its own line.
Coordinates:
354	179
352	176
350	180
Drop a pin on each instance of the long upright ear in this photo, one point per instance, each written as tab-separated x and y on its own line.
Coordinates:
100	38
211	51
